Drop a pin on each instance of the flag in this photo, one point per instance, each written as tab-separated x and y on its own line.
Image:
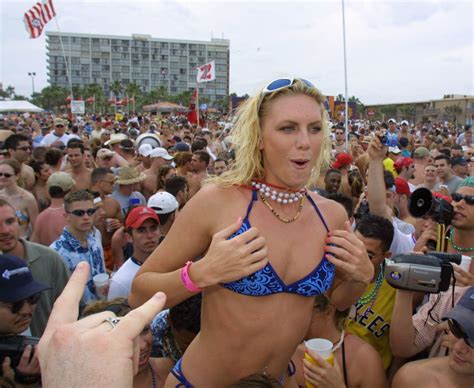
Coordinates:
193	108
90	99
38	16
69	98
206	72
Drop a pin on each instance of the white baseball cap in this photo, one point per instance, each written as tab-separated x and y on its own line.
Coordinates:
160	153
163	202
145	149
394	150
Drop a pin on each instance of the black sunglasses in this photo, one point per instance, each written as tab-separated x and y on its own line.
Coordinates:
5	174
457	331
17	306
459	197
59	126
82	212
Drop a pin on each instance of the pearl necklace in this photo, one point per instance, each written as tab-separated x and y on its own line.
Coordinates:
282	197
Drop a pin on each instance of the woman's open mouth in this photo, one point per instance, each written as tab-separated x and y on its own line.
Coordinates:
300	164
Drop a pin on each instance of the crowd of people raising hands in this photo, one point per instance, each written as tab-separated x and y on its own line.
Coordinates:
252	235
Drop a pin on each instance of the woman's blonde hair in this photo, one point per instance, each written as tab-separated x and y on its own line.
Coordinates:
247	134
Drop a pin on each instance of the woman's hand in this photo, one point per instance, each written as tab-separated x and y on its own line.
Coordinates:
349	255
91	351
230	260
323	375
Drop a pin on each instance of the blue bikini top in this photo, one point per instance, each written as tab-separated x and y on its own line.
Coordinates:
266	281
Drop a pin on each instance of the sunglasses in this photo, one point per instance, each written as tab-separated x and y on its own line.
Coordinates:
26	148
5	174
59	126
283	83
459	197
458	332
17	306
81	212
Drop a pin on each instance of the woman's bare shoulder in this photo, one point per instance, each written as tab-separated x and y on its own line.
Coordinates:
333	212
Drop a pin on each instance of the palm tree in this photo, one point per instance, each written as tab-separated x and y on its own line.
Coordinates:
116	87
340	97
133	89
52	97
96	91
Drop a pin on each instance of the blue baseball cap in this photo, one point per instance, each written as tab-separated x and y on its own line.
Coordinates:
463	314
16	281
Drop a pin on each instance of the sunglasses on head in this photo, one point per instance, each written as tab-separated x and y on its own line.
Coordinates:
283	83
17	306
82	212
459	197
457	331
5	174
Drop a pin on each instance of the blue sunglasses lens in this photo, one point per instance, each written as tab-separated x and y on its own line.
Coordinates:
279	83
308	84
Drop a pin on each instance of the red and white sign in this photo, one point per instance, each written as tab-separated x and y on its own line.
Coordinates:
206	72
38	16
370	112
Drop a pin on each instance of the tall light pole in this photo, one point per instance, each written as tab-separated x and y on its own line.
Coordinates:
32	75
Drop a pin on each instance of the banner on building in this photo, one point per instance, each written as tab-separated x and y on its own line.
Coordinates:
206	72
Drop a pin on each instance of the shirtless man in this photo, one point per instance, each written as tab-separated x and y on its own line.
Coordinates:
102	181
455	370
19	148
422	158
159	157
199	163
79	172
404	133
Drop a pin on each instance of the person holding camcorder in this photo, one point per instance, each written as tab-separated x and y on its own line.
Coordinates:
19	293
425	330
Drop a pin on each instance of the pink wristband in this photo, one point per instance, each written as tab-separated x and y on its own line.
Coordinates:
188	283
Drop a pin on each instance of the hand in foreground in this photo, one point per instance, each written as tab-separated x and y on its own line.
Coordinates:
376	150
90	352
463	278
323	375
349	255
447	340
230	260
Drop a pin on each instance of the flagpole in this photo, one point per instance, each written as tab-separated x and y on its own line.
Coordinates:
197	104
68	72
346	112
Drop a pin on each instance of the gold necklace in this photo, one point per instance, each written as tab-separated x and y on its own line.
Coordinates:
275	213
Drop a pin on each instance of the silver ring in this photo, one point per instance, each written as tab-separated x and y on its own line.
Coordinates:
113	321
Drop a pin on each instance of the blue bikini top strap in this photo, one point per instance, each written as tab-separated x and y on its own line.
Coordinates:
317	211
254	198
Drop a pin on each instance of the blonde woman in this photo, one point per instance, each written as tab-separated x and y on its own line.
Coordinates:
24	203
265	245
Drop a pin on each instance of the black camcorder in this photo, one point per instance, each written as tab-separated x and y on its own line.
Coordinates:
13	346
431	273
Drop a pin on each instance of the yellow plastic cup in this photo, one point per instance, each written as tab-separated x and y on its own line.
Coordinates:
323	348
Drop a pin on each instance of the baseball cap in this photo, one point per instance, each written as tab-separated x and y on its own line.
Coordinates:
463	314
145	149
160	153
401	186
62	180
139	215
394	150
392	120
342	159
404	122
421	152
116	138
104	152
59	121
163	202
459	161
16	281
403	162
181	147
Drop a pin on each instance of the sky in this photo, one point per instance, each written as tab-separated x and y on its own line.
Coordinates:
397	51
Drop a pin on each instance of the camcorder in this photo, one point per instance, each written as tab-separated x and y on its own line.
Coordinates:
423	204
13	346
430	273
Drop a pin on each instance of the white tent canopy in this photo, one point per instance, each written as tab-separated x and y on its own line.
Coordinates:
18	106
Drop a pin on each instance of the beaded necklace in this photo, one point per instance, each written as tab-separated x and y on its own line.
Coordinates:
153	377
370	298
277	215
457	247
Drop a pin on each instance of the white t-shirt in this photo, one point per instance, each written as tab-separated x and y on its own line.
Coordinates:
121	283
50	138
402	243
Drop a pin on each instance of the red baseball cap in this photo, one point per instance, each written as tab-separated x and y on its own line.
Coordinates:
401	186
403	162
342	159
139	215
